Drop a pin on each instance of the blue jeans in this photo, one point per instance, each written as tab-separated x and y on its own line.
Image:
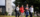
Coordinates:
27	13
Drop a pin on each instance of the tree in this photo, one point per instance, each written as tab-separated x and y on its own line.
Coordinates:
35	3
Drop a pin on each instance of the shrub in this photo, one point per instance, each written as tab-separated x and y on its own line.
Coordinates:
6	13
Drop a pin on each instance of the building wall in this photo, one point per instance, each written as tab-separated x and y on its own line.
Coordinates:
8	6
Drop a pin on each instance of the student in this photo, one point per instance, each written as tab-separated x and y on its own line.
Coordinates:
17	11
31	10
22	10
26	10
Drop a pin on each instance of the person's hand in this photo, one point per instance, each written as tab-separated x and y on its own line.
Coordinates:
22	9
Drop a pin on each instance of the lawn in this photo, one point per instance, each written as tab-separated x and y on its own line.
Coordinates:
11	16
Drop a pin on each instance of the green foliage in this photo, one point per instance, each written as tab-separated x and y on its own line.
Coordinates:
37	8
12	13
36	3
28	1
6	13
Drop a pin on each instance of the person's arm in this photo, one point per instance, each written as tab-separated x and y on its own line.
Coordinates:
33	10
23	8
30	8
20	9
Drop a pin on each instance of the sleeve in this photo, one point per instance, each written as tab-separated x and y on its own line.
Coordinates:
33	9
30	8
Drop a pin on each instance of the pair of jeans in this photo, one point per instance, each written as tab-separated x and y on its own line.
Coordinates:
17	13
27	13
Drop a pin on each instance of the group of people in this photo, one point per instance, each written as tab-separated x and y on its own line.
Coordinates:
25	9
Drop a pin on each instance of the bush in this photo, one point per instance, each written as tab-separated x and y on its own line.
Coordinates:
6	13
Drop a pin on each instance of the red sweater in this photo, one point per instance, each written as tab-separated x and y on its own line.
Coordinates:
22	9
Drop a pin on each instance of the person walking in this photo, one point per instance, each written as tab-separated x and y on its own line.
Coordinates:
26	10
31	10
17	11
22	10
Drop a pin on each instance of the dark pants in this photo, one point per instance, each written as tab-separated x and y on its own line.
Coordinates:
17	13
27	13
30	14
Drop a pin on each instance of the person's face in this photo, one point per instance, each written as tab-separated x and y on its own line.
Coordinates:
18	5
22	5
26	4
32	6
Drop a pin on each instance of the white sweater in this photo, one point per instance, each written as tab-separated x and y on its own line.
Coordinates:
31	10
17	8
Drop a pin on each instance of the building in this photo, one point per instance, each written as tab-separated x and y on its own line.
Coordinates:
9	8
6	6
2	7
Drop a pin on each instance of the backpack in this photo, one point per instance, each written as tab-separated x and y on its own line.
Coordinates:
15	10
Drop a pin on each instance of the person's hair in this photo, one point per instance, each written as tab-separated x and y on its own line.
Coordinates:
31	5
21	5
17	5
27	3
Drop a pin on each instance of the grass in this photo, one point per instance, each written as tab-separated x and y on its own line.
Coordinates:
14	16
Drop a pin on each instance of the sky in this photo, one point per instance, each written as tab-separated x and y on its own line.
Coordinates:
2	2
13	3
